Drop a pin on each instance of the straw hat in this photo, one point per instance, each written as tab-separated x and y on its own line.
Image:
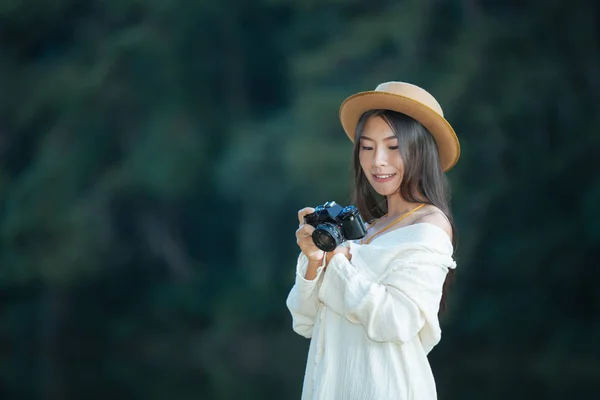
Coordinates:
408	99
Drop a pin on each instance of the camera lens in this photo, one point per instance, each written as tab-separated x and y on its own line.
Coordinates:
327	237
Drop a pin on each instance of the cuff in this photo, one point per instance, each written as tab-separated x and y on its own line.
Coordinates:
301	268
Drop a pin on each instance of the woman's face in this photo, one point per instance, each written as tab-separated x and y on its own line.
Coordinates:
379	156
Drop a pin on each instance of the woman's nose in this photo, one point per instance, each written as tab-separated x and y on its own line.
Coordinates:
379	158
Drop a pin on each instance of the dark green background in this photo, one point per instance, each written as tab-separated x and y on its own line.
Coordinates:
153	155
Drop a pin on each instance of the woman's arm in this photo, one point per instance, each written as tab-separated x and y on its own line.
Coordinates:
396	308
303	300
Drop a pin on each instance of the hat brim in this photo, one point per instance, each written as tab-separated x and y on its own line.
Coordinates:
356	105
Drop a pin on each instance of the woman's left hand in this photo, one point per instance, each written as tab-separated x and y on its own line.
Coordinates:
340	249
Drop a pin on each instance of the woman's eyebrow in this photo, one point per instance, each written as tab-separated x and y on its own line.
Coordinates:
385	140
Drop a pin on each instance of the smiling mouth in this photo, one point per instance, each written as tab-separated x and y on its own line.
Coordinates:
383	176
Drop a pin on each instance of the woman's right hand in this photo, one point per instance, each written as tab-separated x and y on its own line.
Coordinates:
304	237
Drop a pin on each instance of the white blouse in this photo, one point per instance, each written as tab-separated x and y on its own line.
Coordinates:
373	320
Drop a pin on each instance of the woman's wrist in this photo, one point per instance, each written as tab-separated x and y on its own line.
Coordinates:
341	249
311	270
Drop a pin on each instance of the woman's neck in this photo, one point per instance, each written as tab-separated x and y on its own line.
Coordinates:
397	206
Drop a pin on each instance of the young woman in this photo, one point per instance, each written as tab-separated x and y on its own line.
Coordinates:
371	306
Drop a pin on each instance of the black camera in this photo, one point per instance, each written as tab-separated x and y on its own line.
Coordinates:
335	224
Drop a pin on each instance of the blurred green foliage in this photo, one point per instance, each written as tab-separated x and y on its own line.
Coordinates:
153	155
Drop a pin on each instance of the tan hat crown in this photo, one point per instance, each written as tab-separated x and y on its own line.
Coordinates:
412	92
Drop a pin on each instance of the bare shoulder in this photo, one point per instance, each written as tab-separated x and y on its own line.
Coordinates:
435	216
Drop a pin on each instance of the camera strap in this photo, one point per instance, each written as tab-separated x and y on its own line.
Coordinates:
400	218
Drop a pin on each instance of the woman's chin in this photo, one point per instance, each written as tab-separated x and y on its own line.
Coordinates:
385	190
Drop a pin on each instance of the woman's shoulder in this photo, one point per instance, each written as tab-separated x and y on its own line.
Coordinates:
421	241
419	235
432	215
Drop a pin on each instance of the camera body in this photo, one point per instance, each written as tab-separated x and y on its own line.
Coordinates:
335	224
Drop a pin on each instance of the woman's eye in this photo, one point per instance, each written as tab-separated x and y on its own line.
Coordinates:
393	147
367	148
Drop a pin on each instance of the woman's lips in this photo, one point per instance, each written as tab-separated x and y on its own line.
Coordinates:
382	178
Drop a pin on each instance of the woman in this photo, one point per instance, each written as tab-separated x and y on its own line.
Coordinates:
371	306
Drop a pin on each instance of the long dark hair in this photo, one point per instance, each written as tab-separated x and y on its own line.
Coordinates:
424	180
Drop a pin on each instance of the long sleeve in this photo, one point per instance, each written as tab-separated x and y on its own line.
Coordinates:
303	300
402	303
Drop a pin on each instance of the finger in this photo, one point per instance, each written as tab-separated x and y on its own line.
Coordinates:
303	238
304	230
300	233
303	212
308	229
